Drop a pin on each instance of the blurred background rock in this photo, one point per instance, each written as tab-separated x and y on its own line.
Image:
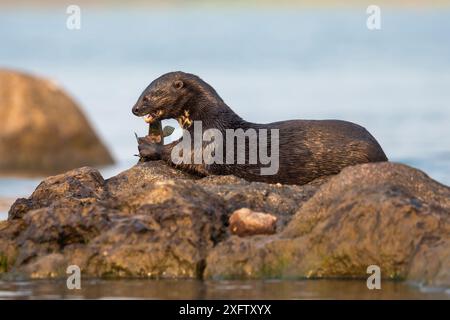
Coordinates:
44	132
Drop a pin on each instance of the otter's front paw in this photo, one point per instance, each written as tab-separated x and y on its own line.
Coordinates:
149	151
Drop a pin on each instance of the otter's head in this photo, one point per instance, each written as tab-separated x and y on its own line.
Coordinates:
172	96
164	98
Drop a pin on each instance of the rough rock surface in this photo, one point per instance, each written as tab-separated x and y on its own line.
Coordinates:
382	214
155	221
43	131
148	221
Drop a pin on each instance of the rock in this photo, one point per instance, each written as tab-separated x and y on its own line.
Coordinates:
163	228
382	214
148	221
43	130
155	221
80	186
280	200
246	222
141	177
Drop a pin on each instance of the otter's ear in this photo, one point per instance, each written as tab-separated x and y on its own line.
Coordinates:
178	84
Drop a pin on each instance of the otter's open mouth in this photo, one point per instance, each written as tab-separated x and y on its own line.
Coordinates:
153	116
184	119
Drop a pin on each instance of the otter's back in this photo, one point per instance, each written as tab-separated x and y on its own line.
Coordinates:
313	148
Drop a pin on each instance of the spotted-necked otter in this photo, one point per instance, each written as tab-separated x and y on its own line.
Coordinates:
308	149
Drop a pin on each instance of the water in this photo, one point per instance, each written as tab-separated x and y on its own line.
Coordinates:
192	289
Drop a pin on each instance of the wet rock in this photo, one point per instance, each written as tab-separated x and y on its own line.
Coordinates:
382	214
43	130
148	221
114	227
245	222
80	186
141	177
280	200
155	221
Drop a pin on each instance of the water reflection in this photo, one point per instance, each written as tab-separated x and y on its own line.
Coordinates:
192	289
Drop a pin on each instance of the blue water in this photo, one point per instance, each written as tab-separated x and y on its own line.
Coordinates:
267	64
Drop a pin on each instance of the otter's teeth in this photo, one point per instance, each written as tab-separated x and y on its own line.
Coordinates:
148	118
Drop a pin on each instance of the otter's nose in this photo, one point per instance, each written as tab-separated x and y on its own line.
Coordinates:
136	110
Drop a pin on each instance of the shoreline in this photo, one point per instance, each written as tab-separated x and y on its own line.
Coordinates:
5	204
220	289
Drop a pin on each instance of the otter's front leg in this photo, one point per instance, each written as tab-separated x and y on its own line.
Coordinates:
198	169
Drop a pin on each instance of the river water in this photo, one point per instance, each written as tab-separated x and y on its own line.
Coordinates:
192	289
268	65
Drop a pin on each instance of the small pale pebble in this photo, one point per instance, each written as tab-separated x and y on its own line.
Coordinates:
246	222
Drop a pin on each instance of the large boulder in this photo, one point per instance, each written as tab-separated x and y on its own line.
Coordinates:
43	131
383	214
155	221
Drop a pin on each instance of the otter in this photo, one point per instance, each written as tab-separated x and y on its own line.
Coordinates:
307	149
